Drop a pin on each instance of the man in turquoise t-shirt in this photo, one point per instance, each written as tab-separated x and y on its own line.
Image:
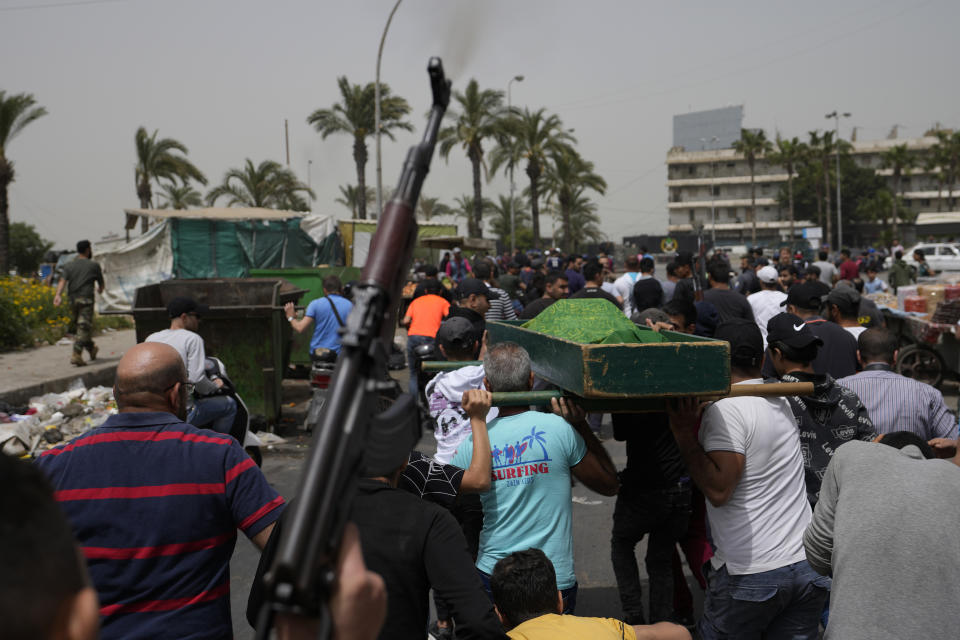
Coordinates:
529	502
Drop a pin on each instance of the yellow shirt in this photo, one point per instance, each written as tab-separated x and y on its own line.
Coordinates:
552	626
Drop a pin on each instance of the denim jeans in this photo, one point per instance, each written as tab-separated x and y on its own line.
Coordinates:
412	361
783	603
215	412
664	515
569	594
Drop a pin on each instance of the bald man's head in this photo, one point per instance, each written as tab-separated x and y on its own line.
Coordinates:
148	377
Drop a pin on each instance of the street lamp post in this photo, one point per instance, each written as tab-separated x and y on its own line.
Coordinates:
513	219
836	117
376	111
309	166
713	209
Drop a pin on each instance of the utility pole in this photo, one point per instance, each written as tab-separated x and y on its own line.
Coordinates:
713	209
513	218
286	138
836	117
376	112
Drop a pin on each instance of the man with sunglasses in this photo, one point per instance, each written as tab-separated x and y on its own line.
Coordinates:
156	503
209	407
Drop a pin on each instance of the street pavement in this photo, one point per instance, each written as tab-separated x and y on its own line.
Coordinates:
33	372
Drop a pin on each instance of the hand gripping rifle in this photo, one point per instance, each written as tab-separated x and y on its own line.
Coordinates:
300	579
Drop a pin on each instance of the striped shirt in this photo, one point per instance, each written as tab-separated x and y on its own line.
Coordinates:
500	308
898	403
155	505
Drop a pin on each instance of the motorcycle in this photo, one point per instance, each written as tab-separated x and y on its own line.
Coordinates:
240	430
322	364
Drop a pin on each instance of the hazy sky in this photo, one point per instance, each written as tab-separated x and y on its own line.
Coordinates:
222	75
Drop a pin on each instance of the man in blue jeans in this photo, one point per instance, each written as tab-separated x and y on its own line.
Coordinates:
747	461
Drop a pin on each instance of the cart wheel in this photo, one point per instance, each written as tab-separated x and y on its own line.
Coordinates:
921	363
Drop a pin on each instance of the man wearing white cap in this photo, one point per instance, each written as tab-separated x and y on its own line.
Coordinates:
459	267
767	302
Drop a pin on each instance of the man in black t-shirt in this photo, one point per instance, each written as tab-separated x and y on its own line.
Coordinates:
593	274
838	355
729	304
555	288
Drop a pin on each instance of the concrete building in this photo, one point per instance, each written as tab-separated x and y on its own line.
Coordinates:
711	187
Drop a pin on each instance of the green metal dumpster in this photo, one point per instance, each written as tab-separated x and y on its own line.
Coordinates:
311	281
246	328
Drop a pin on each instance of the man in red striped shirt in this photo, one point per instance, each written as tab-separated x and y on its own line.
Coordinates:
156	503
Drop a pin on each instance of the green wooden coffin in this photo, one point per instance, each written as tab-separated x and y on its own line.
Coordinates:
669	364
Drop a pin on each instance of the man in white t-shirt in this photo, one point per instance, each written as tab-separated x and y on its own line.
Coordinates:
768	301
210	409
747	462
623	286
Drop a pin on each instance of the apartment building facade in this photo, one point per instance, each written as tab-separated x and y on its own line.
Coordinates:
711	187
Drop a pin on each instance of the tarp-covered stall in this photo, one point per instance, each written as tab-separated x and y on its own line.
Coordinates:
358	233
213	243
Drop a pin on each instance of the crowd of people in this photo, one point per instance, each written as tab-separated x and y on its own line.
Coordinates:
794	514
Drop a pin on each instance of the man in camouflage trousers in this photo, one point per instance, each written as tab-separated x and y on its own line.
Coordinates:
78	278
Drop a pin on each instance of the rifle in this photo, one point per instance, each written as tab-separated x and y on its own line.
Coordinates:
300	579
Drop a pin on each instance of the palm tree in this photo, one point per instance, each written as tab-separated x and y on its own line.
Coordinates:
350	198
789	154
936	163
813	168
537	437
431	207
16	112
158	159
466	207
900	160
499	220
584	222
181	196
268	185
530	136
947	150
480	117
568	175
752	144
354	115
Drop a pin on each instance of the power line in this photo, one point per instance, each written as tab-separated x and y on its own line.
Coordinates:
57	5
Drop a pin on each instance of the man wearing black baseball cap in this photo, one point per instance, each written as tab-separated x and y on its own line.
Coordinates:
838	357
747	460
209	408
473	297
843	307
831	416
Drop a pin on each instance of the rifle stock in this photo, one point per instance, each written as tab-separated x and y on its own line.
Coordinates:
300	578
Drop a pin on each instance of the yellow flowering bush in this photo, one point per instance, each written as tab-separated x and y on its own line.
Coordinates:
27	313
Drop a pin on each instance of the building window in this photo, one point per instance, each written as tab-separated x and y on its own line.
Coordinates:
925	202
691	170
766	209
716	190
692	216
731	165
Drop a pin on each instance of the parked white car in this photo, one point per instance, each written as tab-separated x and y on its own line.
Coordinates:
941	256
